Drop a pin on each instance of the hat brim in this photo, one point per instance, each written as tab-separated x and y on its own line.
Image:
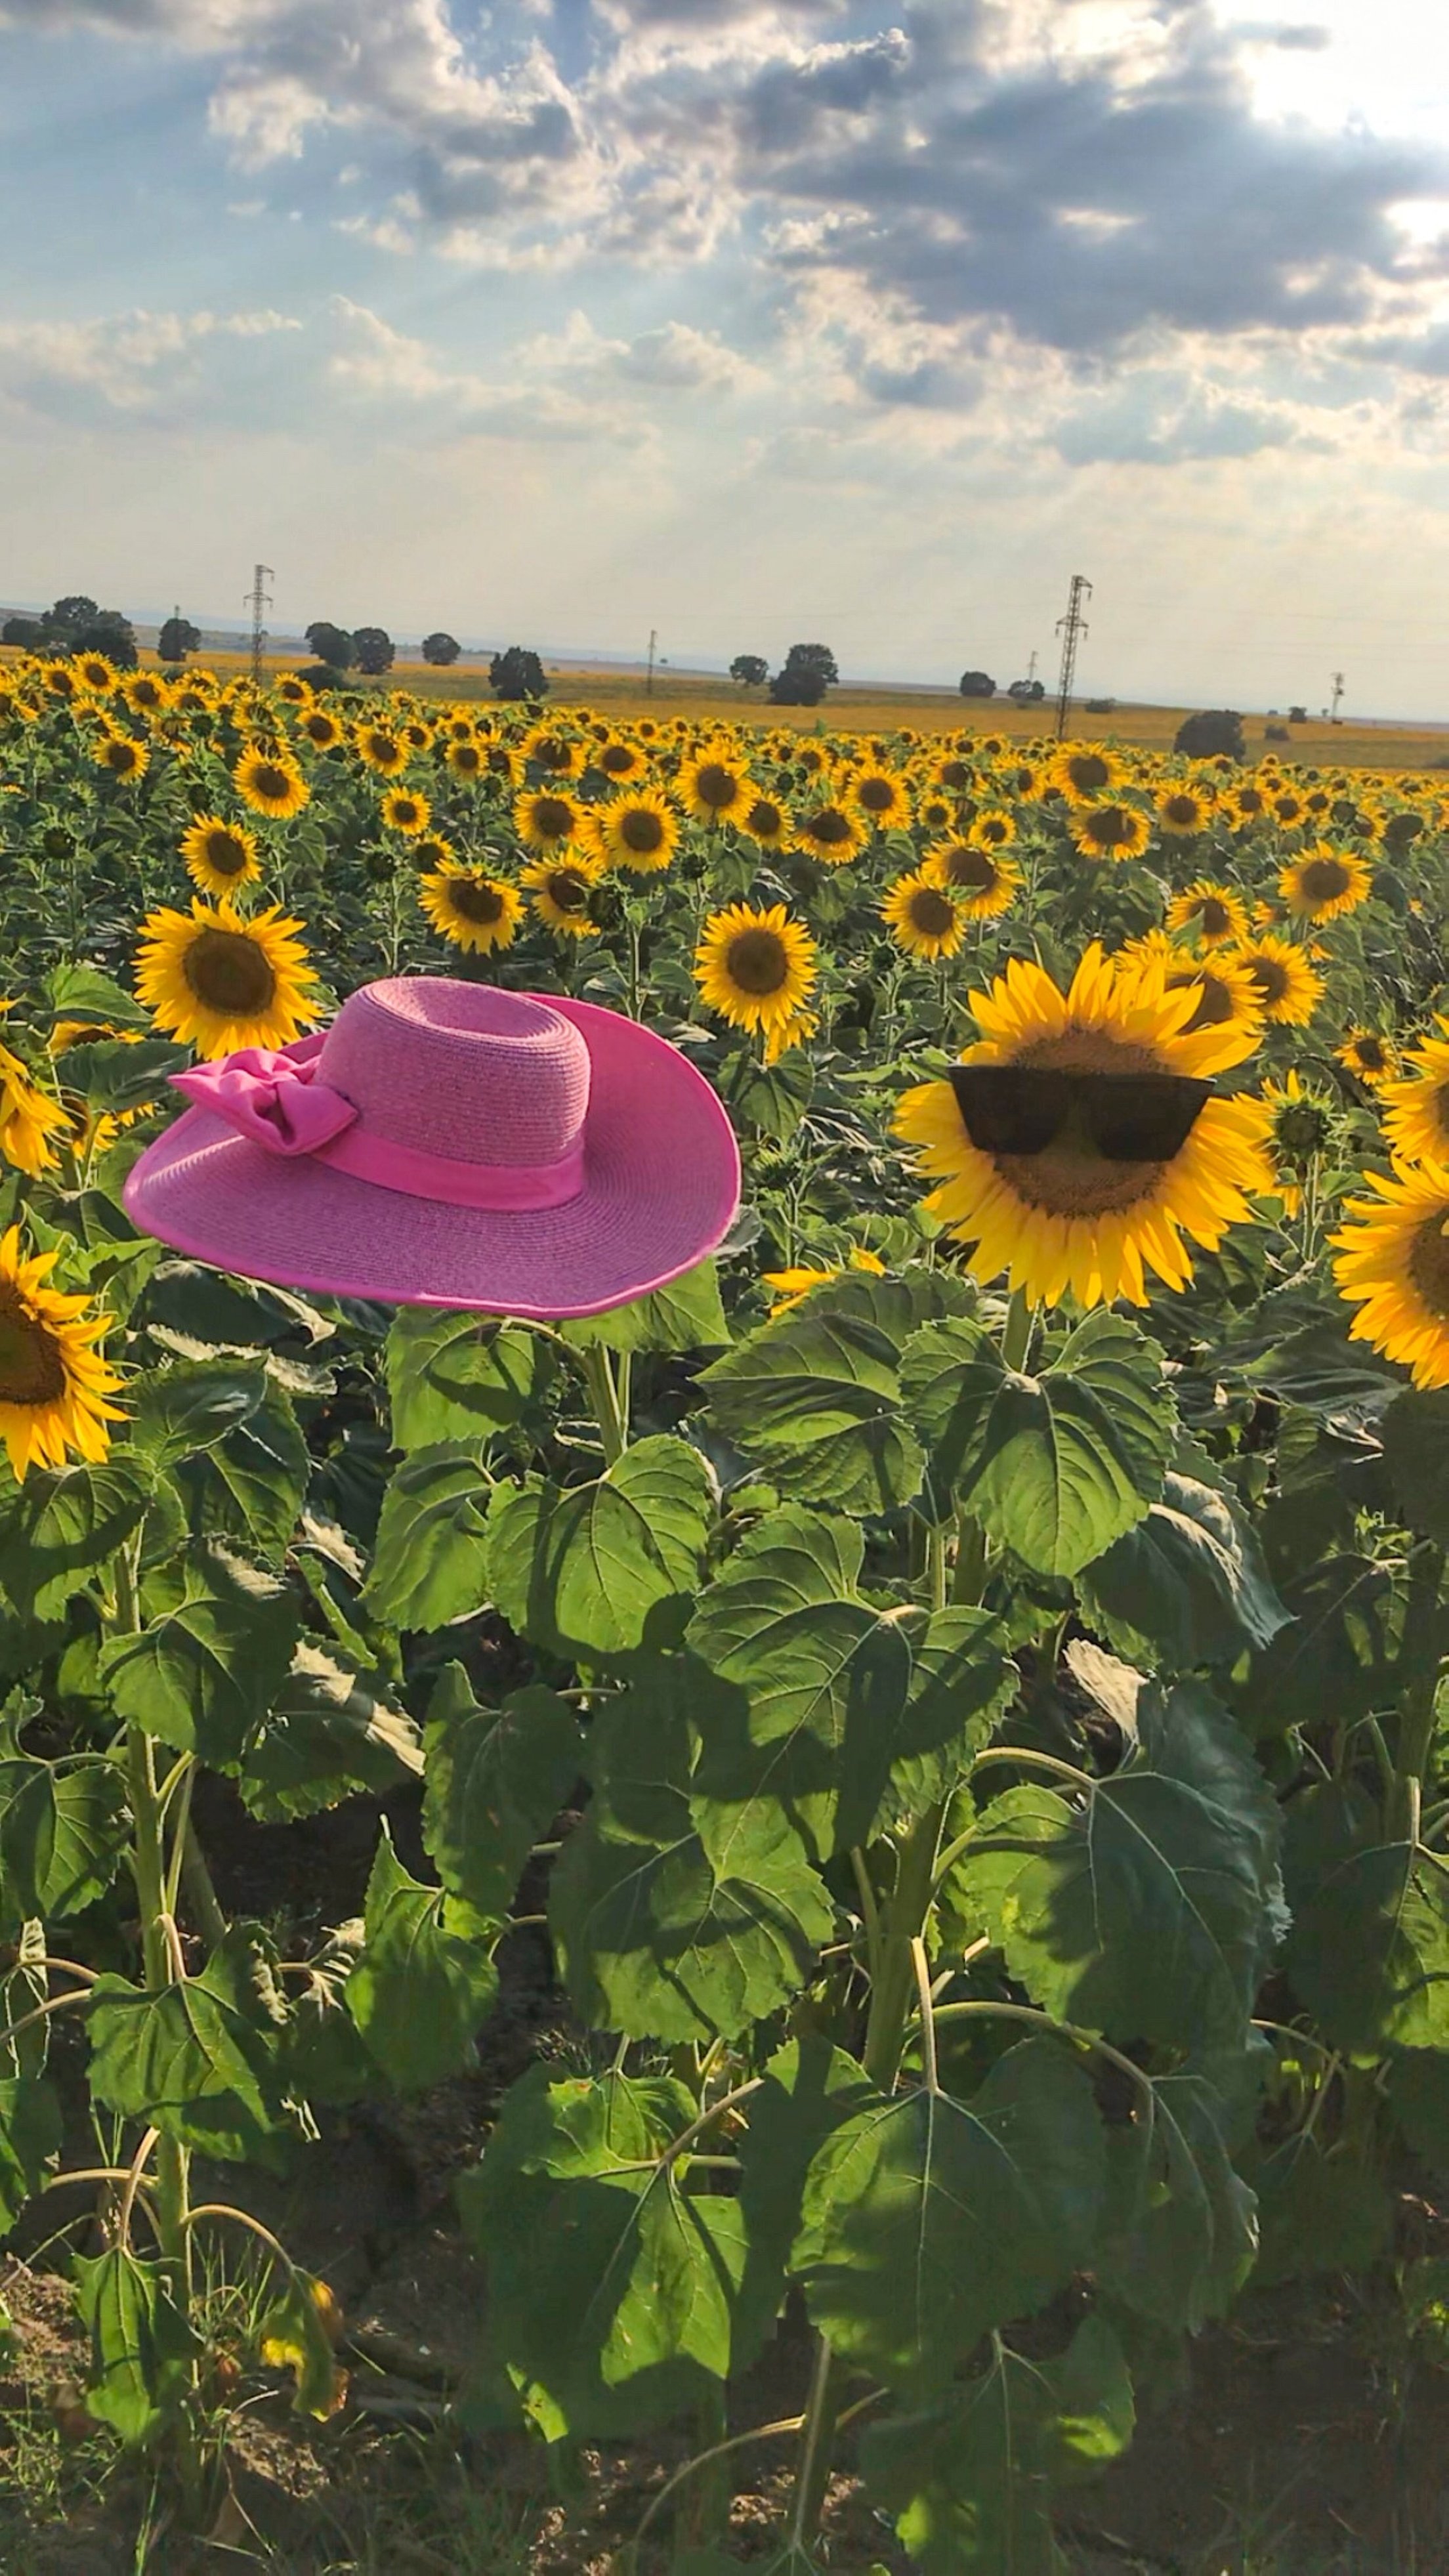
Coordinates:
661	1188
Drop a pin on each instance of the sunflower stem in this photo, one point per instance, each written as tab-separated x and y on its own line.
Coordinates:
608	1412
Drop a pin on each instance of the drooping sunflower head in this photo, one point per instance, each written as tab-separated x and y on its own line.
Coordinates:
217	981
715	783
1323	882
982	882
1090	1183
755	966
220	856
1393	1264
473	909
1301	1132
546	818
55	1386
1184	811
123	758
1085	773
637	830
924	916
270	782
560	888
1370	1055
1212	913
1288	987
1110	831
405	811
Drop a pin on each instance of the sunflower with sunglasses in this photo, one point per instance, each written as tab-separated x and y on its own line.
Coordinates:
1080	1142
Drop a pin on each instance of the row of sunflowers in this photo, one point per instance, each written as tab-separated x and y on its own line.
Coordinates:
950	1688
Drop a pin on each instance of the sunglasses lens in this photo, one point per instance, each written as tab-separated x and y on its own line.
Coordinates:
1142	1117
1008	1108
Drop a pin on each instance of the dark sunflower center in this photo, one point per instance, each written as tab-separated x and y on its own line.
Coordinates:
121	756
1089	772
226	853
957	773
554	817
467	757
764	819
554	753
1182	809
829	826
32	1370
992	829
1287	809
616	760
716	786
1110	826
1371	1055
271	782
1071	1178
404	811
1215	1003
1215	917
877	795
757	961
1324	880
1270	975
475	900
1429	1265
931	913
1250	801
1301	1129
642	831
569	890
229	973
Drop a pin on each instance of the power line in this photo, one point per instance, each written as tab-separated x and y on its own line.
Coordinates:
1071	629
258	599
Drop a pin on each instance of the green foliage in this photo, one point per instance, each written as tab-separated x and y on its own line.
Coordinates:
425	1980
430	1559
143	2347
594	1571
197	2058
204	1674
496	1779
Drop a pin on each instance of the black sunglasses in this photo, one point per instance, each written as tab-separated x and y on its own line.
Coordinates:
1127	1117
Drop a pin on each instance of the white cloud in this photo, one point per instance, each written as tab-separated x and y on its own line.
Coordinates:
130	362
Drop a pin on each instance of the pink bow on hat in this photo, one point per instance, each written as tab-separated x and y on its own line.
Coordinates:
273	1099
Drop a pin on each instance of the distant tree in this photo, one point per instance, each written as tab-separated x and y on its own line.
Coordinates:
809	670
1276	733
1210	733
1026	693
441	647
331	644
518	673
374	648
750	669
1100	706
69	617
23	630
977	684
177	638
1298	715
109	633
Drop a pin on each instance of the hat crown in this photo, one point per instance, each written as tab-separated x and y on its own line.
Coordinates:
460	1070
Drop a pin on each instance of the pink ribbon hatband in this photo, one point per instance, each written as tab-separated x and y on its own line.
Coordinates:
276	1101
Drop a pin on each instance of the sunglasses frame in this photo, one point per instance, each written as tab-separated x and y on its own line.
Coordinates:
1021	1109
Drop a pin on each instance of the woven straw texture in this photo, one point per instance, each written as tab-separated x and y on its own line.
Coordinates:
460	1069
661	1169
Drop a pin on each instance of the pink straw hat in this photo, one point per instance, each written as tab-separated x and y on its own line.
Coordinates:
447	1144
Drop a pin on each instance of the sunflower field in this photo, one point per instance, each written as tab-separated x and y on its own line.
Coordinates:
949	1690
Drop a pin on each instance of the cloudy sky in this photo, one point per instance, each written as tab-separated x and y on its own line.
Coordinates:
748	320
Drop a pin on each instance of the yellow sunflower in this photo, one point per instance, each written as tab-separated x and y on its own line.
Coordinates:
217	981
1085	773
1416	1106
146	692
766	822
1324	882
1287	808
923	916
982	883
95	673
405	811
560	888
883	798
1184	811
1393	1264
474	910
1375	1059
125	759
556	753
469	761
1067	1215
545	818
270	782
431	852
638	830
715	784
1217	915
293	689
320	729
54	1384
755	966
1288	987
1110	831
620	760
788	1287
829	829
220	856
381	748
992	829
29	1119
